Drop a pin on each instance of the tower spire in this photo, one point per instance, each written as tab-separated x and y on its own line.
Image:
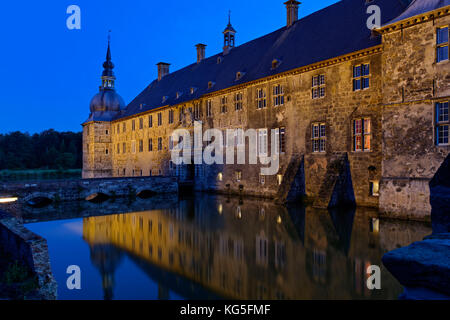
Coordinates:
229	36
108	77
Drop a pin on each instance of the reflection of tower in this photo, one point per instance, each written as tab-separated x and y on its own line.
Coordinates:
106	259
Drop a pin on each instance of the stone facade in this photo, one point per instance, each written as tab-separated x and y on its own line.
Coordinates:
412	84
393	171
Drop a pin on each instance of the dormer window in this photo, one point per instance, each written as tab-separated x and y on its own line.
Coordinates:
164	98
193	90
219	60
178	94
275	63
211	84
239	75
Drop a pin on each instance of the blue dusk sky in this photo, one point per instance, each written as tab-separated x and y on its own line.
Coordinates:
49	73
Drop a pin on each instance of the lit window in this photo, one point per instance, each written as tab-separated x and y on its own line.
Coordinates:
375	188
238	98
238	176
442	44
318	86
442	124
361	77
278	95
318	136
261	98
279	179
362	135
220	176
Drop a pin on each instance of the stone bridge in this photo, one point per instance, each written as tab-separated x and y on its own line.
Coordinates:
44	192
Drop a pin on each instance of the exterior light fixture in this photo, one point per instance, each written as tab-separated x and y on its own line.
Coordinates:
8	199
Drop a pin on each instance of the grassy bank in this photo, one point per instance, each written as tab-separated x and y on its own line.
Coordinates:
17	175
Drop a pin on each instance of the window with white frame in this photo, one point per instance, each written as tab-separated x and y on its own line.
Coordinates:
239	137
262	142
238	101
197	110
278	95
442	123
209	110
318	136
261	102
361	77
442	44
362	134
318	86
223	105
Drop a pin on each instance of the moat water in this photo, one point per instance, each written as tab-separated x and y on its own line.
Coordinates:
215	247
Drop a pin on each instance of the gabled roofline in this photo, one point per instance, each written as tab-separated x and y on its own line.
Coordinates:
318	65
415	20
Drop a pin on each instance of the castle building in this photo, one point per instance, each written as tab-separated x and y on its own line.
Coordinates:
360	114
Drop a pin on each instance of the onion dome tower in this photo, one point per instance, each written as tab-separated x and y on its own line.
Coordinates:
105	106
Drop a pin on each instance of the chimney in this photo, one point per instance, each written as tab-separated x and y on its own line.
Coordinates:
200	52
163	70
292	11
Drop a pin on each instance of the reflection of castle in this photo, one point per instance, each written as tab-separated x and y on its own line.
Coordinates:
243	250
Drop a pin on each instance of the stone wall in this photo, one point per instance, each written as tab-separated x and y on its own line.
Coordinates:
22	245
412	83
97	150
72	190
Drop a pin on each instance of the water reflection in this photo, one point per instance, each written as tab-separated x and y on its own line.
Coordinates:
216	247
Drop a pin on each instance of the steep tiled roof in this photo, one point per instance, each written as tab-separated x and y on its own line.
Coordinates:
418	7
331	32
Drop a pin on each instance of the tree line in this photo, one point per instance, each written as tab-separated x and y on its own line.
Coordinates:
46	150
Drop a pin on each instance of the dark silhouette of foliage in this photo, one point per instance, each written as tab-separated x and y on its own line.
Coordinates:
47	150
